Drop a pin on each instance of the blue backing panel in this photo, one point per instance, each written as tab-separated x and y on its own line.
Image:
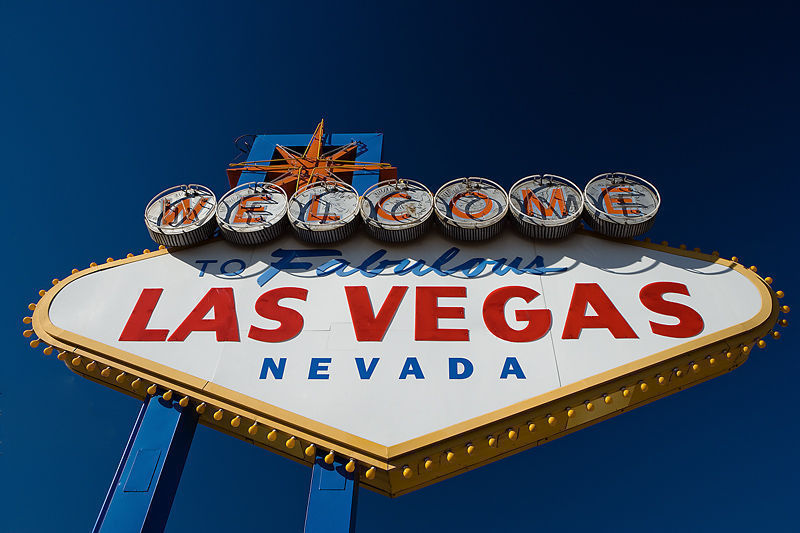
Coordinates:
332	499
264	147
373	142
147	477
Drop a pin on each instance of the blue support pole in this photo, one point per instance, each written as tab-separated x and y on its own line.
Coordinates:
332	499
147	477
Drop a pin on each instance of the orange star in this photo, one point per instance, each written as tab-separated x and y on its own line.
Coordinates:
294	171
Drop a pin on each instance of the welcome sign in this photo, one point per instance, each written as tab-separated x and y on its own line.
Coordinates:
415	361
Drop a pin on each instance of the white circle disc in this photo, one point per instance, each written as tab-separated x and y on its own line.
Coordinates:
471	202
398	207
324	207
545	200
181	215
621	205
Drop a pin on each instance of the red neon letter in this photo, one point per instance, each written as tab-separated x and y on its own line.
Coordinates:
367	325
136	327
495	318
314	214
244	213
182	212
390	216
291	321
608	316
690	323
557	198
479	196
224	323
428	313
617	205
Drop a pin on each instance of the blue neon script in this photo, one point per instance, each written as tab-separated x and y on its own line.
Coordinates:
375	265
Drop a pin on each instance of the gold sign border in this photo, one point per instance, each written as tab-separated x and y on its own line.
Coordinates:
411	465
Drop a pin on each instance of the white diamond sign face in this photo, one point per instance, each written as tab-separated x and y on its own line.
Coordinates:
434	355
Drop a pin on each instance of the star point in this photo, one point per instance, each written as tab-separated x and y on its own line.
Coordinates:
294	171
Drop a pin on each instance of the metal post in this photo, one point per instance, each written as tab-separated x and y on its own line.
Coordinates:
147	477
332	499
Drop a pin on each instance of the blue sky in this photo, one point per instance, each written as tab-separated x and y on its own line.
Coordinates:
104	106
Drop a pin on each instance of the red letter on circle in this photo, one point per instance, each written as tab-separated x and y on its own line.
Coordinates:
530	199
314	214
244	213
479	195
617	205
389	216
538	320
